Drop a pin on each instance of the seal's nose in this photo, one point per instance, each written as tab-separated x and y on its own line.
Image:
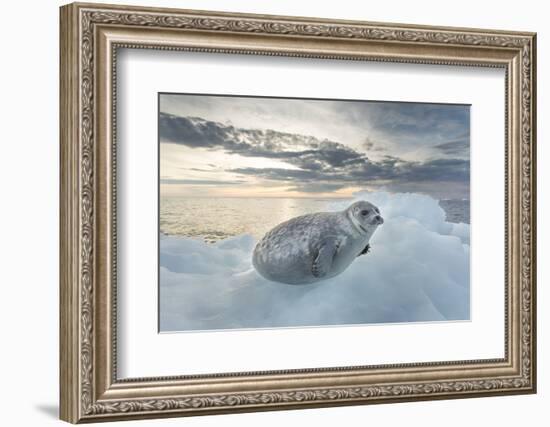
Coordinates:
379	219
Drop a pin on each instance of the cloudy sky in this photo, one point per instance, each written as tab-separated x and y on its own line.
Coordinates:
220	146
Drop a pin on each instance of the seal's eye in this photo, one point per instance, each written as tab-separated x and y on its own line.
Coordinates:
365	212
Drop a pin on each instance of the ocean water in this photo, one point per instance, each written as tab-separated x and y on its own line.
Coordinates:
215	219
456	211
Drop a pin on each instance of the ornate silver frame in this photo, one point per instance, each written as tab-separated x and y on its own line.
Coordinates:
90	36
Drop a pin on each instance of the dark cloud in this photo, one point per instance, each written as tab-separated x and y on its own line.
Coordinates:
406	118
303	151
279	174
318	165
388	170
455	148
370	145
317	187
197	169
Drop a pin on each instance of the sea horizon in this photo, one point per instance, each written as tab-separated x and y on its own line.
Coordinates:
214	219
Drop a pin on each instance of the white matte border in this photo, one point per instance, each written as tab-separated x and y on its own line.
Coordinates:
143	352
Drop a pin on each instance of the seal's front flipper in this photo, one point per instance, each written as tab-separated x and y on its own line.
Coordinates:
323	261
366	250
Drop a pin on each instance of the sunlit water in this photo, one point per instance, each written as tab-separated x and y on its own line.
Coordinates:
214	219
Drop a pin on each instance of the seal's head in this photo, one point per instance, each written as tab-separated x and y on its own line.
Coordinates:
364	216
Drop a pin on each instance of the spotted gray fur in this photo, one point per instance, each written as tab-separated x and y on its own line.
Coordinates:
318	246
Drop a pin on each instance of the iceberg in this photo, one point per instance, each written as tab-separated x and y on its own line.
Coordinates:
418	270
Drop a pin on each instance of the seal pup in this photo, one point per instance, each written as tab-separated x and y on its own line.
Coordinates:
315	247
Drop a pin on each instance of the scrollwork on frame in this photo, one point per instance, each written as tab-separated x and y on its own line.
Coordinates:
89	18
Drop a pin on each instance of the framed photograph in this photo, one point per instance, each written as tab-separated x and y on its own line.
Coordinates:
266	212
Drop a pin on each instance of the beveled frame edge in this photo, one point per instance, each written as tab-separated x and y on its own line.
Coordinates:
88	390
